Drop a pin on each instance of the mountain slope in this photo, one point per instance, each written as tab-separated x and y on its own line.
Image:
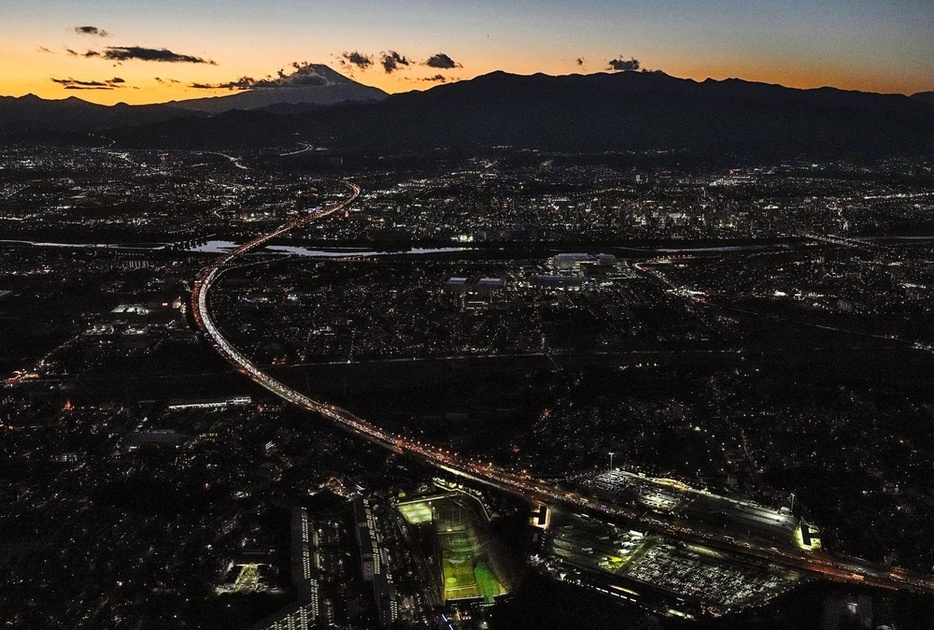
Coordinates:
315	84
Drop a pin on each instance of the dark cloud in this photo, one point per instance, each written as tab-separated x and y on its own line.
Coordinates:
89	54
128	53
438	78
580	61
42	49
356	59
305	75
91	30
243	83
392	61
162	81
442	61
623	65
76	84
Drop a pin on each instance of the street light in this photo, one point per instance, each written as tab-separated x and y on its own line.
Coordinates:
611	459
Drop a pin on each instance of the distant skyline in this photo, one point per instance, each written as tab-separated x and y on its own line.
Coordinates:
142	52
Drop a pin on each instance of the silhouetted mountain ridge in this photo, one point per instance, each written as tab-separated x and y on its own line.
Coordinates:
30	113
630	111
310	86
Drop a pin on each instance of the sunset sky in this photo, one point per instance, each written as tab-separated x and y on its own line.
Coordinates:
155	50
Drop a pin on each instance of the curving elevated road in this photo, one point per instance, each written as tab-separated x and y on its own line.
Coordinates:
819	563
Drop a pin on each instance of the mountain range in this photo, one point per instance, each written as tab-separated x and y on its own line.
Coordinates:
30	114
310	86
623	112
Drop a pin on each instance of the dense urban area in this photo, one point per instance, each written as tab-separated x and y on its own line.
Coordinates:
678	396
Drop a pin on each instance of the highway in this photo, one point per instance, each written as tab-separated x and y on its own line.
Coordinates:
820	563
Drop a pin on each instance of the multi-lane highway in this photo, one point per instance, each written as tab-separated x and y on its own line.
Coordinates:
841	569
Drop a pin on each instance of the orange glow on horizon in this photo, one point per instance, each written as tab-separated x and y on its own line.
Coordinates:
28	73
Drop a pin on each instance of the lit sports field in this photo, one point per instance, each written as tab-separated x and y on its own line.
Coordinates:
457	560
415	513
487	583
465	575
